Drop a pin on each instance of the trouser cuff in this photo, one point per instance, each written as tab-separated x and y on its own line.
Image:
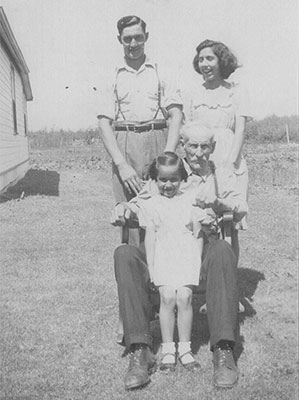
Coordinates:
138	338
229	336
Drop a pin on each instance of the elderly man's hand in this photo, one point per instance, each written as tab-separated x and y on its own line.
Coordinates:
120	214
206	200
212	202
220	206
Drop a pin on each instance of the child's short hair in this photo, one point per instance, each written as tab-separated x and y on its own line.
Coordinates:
168	158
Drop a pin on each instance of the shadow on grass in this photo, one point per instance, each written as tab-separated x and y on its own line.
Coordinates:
248	280
35	182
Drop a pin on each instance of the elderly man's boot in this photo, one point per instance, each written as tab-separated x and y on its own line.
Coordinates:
142	364
225	369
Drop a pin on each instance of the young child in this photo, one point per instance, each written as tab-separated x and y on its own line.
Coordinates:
173	247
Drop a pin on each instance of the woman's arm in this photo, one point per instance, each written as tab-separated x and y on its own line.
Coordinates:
234	157
243	114
197	233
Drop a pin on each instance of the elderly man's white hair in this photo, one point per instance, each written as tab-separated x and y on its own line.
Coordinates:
196	129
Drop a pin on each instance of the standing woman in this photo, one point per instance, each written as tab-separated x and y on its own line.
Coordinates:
222	106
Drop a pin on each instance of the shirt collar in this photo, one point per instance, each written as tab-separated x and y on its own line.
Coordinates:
124	65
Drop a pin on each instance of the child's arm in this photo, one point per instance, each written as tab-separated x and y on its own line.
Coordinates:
150	244
145	212
197	233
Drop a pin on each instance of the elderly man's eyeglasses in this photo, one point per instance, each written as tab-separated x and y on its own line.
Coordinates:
138	39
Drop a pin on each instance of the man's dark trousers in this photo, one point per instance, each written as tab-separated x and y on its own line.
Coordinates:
219	271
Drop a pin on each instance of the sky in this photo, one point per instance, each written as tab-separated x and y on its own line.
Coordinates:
72	43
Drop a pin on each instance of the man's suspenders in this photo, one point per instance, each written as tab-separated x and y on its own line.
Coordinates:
164	113
117	101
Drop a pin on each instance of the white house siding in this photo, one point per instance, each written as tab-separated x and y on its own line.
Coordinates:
20	105
14	154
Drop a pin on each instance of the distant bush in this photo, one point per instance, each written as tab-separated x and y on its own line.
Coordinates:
272	129
268	130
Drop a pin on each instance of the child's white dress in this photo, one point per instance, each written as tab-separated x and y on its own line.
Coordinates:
177	255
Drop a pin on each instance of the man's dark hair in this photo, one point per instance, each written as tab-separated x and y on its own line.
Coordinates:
130	20
166	159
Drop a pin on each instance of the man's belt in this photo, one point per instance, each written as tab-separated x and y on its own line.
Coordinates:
145	127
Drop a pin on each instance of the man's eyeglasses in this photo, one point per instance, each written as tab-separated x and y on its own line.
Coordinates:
138	39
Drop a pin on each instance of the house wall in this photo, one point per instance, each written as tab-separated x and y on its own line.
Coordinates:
14	152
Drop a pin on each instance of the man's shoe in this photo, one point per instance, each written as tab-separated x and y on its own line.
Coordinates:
141	365
225	370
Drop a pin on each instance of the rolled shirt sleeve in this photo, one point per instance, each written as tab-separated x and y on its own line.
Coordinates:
106	101
171	94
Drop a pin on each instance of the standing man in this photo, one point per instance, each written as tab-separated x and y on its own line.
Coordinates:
141	116
219	266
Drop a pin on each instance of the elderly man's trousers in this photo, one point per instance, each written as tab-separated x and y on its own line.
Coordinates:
219	272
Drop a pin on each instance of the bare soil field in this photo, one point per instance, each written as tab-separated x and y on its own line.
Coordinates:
59	303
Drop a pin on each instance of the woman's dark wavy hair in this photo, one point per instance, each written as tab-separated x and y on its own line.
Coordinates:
167	159
228	62
130	20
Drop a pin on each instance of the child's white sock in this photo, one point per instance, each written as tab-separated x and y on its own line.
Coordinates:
169	349
183	348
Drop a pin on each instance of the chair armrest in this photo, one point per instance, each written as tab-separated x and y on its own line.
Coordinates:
227	219
228	216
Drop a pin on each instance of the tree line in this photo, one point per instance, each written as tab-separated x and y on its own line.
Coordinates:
267	130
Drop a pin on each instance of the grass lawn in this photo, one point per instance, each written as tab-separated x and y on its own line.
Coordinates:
58	296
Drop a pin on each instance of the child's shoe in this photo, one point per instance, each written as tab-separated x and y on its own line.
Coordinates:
167	362
186	357
188	361
167	357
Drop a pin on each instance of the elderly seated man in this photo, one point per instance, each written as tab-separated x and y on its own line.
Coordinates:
216	194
